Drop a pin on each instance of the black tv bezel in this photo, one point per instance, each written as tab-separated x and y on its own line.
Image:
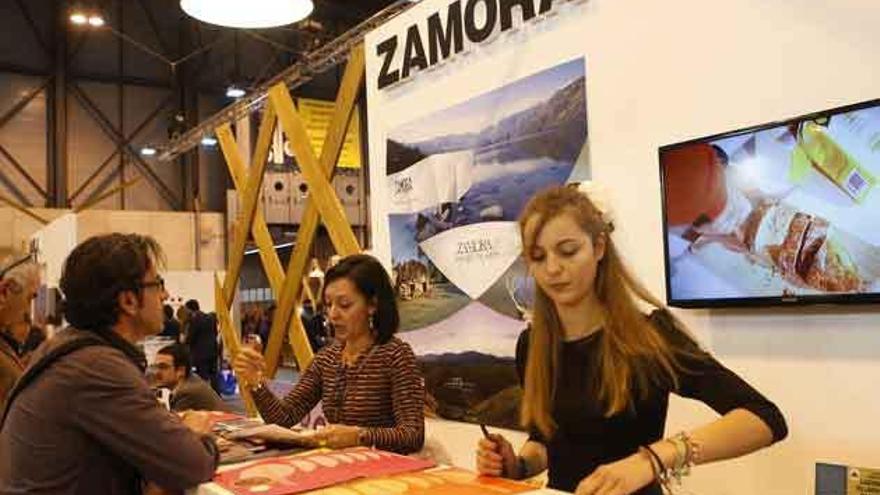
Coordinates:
732	302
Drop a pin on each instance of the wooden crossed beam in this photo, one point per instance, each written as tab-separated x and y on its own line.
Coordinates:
322	205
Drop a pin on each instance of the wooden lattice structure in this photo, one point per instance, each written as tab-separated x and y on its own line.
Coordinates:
323	206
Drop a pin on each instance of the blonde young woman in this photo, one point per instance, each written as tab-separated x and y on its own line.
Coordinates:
597	372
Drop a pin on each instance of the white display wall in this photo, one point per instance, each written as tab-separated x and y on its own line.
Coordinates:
663	72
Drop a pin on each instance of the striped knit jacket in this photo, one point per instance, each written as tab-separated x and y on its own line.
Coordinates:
383	391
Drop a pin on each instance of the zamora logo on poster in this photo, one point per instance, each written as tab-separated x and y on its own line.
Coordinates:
403	186
475	246
446	39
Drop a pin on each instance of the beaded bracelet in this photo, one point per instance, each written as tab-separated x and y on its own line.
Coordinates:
687	453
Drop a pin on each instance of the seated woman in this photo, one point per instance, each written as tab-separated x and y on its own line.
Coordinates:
597	372
368	380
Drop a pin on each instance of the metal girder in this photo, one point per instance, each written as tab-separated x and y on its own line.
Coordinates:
97	198
154	26
315	62
77	46
187	102
116	79
15	190
23	70
104	184
15	164
152	115
56	114
21	170
19	106
33	26
114	134
120	115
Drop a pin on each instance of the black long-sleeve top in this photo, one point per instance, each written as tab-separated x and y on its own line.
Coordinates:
586	439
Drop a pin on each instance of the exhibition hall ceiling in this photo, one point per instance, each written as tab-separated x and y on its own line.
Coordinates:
150	42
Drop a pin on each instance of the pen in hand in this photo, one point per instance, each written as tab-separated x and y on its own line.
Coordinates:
485	431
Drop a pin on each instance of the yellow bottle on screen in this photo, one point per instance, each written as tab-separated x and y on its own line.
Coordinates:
834	162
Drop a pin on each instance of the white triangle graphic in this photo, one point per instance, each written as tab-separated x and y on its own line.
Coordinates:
473	257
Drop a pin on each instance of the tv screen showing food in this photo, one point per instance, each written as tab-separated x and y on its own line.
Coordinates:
787	212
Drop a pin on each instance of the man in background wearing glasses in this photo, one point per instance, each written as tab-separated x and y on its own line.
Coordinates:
19	279
188	391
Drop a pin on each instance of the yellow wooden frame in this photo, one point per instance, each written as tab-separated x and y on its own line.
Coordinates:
322	205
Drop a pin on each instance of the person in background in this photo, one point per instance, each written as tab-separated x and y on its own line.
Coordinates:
188	390
202	340
36	335
19	280
249	321
82	419
597	372
171	327
369	381
265	324
183	317
313	322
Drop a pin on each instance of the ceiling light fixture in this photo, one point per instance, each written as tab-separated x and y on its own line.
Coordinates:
78	18
209	141
248	14
234	92
96	21
148	151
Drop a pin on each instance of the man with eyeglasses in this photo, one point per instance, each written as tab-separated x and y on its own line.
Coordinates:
82	419
188	391
19	280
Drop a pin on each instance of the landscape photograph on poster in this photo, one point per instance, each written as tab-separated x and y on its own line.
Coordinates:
457	180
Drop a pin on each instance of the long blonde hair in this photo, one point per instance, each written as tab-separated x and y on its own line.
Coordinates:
632	356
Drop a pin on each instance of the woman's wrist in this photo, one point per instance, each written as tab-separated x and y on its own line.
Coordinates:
651	464
364	439
666	453
521	469
256	385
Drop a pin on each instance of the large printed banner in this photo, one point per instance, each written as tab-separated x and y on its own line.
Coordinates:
316	116
473	106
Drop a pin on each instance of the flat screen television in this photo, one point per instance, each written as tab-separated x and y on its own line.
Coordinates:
780	213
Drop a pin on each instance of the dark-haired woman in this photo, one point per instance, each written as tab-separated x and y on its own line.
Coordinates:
368	380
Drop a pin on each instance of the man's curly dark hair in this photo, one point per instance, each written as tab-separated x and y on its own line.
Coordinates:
99	269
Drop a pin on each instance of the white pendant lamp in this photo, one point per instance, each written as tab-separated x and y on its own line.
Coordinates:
248	13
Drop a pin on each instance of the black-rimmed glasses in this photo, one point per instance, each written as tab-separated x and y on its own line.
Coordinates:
159	282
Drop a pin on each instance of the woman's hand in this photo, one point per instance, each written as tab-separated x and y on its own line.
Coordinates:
495	457
249	366
623	477
338	436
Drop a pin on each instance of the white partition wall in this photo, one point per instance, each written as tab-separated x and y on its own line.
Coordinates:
669	71
175	231
663	72
55	241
